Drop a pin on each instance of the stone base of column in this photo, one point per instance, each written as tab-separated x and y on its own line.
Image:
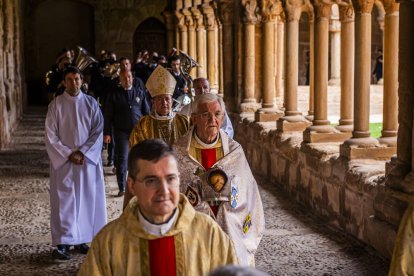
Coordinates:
294	123
345	128
267	115
365	148
324	134
334	82
249	106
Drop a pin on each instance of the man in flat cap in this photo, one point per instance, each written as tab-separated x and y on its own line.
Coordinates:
162	122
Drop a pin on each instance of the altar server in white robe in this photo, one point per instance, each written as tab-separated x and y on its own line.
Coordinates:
74	125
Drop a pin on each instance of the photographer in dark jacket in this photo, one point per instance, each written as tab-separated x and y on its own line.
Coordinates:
123	108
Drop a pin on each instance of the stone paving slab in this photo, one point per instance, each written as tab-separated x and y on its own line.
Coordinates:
294	243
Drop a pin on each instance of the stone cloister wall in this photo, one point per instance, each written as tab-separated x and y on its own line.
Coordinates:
11	70
250	52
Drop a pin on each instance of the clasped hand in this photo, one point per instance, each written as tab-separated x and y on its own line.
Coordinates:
77	158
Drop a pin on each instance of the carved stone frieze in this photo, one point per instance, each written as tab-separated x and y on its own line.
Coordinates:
250	10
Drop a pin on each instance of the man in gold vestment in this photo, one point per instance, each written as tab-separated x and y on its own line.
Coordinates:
162	122
159	232
217	179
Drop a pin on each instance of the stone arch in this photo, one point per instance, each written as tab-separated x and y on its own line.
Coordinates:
51	26
151	35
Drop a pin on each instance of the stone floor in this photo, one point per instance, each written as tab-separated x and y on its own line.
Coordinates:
295	242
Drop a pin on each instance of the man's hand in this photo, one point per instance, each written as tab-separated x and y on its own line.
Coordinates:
107	139
77	158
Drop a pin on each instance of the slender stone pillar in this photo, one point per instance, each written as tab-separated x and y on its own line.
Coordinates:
268	112
293	119
347	17
182	31
321	131
201	42
311	69
390	113
212	65
220	58
170	24
249	103
335	37
361	145
280	59
190	24
226	10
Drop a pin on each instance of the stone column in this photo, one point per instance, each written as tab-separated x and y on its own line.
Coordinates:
311	70
401	176
321	131
249	103
212	66
280	59
225	12
268	112
170	24
293	119
390	113
335	37
190	24
347	17
201	42
219	57
361	145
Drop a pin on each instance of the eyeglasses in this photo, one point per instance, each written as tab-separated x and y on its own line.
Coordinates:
207	115
154	182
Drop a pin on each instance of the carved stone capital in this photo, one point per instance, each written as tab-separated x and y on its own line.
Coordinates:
270	9
346	12
322	8
363	6
226	11
249	9
198	18
188	20
293	9
180	21
169	18
209	18
390	6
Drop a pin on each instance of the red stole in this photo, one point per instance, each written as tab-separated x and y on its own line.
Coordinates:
162	256
208	158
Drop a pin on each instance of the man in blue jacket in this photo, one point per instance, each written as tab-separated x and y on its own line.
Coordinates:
125	105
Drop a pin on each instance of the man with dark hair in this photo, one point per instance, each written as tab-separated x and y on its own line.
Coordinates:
74	126
181	86
159	232
124	106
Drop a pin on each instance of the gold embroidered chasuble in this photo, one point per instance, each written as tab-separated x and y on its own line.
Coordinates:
121	247
168	128
240	210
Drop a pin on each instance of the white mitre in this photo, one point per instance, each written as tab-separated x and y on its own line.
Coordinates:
160	82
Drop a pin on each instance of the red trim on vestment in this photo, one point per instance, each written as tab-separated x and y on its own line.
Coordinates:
162	256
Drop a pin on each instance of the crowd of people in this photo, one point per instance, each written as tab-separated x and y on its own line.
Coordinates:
191	203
